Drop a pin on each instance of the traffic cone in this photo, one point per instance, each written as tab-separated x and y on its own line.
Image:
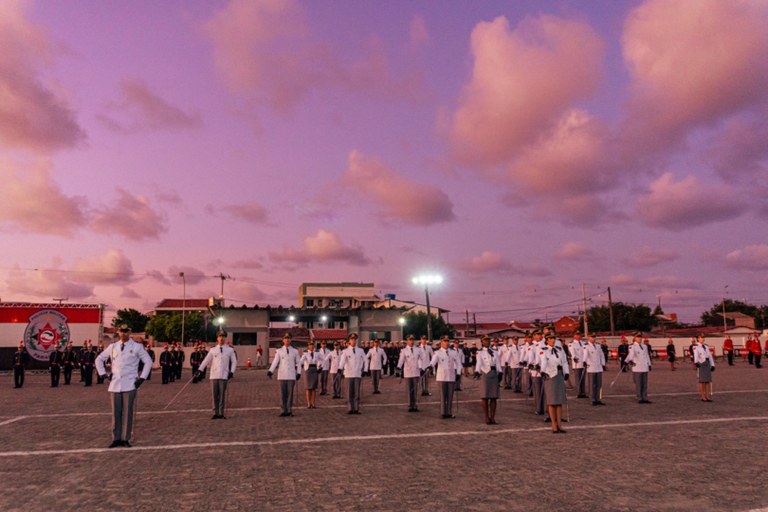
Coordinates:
248	363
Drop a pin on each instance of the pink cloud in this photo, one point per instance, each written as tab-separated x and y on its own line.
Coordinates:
751	257
251	212
31	201
45	285
323	247
146	110
574	251
267	51
419	34
159	277
692	63
679	205
113	267
648	257
740	149
32	115
129	293
248	264
397	197
492	262
522	82
130	216
192	275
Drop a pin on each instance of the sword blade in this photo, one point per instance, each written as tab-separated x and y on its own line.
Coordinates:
177	394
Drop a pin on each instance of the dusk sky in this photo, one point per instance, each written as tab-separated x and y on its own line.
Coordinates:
519	148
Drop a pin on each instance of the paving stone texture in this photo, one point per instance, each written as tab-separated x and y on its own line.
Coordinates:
675	454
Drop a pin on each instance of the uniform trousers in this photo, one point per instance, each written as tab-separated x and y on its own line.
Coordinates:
641	385
578	374
425	383
518	374
219	395
413	387
507	376
122	415
595	384
337	378
67	373
18	376
538	394
376	377
286	395
55	374
324	382
88	372
446	397
353	390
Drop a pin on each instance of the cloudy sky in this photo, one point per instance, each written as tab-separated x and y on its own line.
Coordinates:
521	149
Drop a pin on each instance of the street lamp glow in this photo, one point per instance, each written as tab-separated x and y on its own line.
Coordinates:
219	320
291	318
323	318
401	321
426	279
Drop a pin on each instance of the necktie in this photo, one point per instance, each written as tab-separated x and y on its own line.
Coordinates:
122	346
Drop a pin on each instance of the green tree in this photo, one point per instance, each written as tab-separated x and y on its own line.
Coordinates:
167	327
136	320
416	324
625	317
714	315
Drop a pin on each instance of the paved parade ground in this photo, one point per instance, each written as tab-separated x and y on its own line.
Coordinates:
675	454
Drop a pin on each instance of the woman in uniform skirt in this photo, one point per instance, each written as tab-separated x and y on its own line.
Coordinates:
671	354
311	361
554	370
488	369
705	364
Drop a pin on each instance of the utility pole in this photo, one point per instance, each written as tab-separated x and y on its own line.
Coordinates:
466	331
60	300
584	307
725	320
610	312
183	304
223	278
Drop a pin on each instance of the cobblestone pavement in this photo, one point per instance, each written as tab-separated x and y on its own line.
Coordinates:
675	454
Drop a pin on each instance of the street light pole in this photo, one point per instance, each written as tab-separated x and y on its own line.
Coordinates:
183	304
426	280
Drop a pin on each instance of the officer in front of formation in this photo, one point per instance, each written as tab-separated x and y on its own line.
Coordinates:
594	364
640	362
69	359
377	361
55	360
445	363
354	363
20	362
488	369
125	355
411	364
288	365
223	362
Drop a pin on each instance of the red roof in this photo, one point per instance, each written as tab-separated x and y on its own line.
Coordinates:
181	303
328	334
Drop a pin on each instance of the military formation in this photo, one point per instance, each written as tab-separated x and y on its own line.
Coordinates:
540	365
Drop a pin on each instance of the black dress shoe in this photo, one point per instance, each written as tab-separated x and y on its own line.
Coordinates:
115	444
377	392
350	412
215	417
599	402
222	417
126	444
358	412
547	420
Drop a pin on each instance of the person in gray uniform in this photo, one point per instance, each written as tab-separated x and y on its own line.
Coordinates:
124	356
223	362
554	372
288	365
488	370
